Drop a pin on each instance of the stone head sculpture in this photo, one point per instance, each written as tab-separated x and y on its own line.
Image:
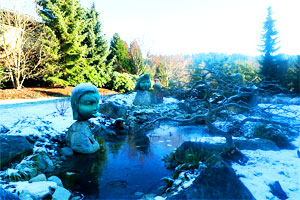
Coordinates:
143	82
85	101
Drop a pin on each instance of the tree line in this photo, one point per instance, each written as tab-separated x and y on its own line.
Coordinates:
67	47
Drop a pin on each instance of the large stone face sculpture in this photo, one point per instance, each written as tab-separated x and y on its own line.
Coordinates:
143	95
85	104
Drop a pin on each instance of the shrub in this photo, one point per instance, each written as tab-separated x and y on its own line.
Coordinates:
123	82
274	133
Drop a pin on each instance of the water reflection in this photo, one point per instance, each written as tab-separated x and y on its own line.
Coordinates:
130	164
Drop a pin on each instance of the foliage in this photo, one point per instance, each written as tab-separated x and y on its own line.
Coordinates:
97	50
21	52
175	67
274	133
224	65
136	59
119	52
64	21
122	82
161	75
75	45
268	48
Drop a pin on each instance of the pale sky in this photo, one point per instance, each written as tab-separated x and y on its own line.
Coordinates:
194	26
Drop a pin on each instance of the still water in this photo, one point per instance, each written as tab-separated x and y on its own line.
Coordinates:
129	165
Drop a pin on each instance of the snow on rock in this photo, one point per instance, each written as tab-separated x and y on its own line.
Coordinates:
126	99
168	100
37	190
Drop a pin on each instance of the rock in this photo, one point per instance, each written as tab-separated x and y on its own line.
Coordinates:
113	110
81	139
38	178
143	98
36	190
61	194
25	196
13	148
217	182
3	129
66	151
138	194
277	190
6	195
43	162
149	197
56	180
253	144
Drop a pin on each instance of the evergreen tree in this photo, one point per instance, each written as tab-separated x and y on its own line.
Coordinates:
119	51
161	75
65	23
99	69
268	48
136	59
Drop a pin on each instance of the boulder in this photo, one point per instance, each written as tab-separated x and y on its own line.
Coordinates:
66	151
13	148
254	144
7	195
217	182
3	129
81	138
43	162
143	98
113	110
56	180
61	194
40	177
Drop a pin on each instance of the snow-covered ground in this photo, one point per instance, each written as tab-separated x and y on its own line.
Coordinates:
263	167
266	167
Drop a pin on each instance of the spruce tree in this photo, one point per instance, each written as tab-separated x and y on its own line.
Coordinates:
268	48
136	59
119	51
99	68
65	23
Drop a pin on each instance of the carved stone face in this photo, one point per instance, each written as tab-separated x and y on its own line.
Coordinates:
84	101
143	82
88	106
145	85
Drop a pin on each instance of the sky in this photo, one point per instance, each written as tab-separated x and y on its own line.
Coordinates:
194	26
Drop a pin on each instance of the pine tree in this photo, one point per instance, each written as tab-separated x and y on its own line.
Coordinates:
99	68
161	75
268	48
136	59
119	51
65	23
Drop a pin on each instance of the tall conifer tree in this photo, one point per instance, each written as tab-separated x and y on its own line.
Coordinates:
65	23
268	48
136	59
119	51
100	68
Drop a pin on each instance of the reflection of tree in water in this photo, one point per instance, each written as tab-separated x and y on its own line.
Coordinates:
82	171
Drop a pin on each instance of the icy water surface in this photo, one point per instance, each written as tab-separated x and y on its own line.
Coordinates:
130	165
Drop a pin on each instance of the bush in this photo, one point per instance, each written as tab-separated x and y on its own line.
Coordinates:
123	82
274	133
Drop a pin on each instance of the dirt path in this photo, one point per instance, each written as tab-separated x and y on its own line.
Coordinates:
42	93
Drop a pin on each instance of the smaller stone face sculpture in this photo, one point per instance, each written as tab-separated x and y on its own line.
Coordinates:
143	83
85	101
